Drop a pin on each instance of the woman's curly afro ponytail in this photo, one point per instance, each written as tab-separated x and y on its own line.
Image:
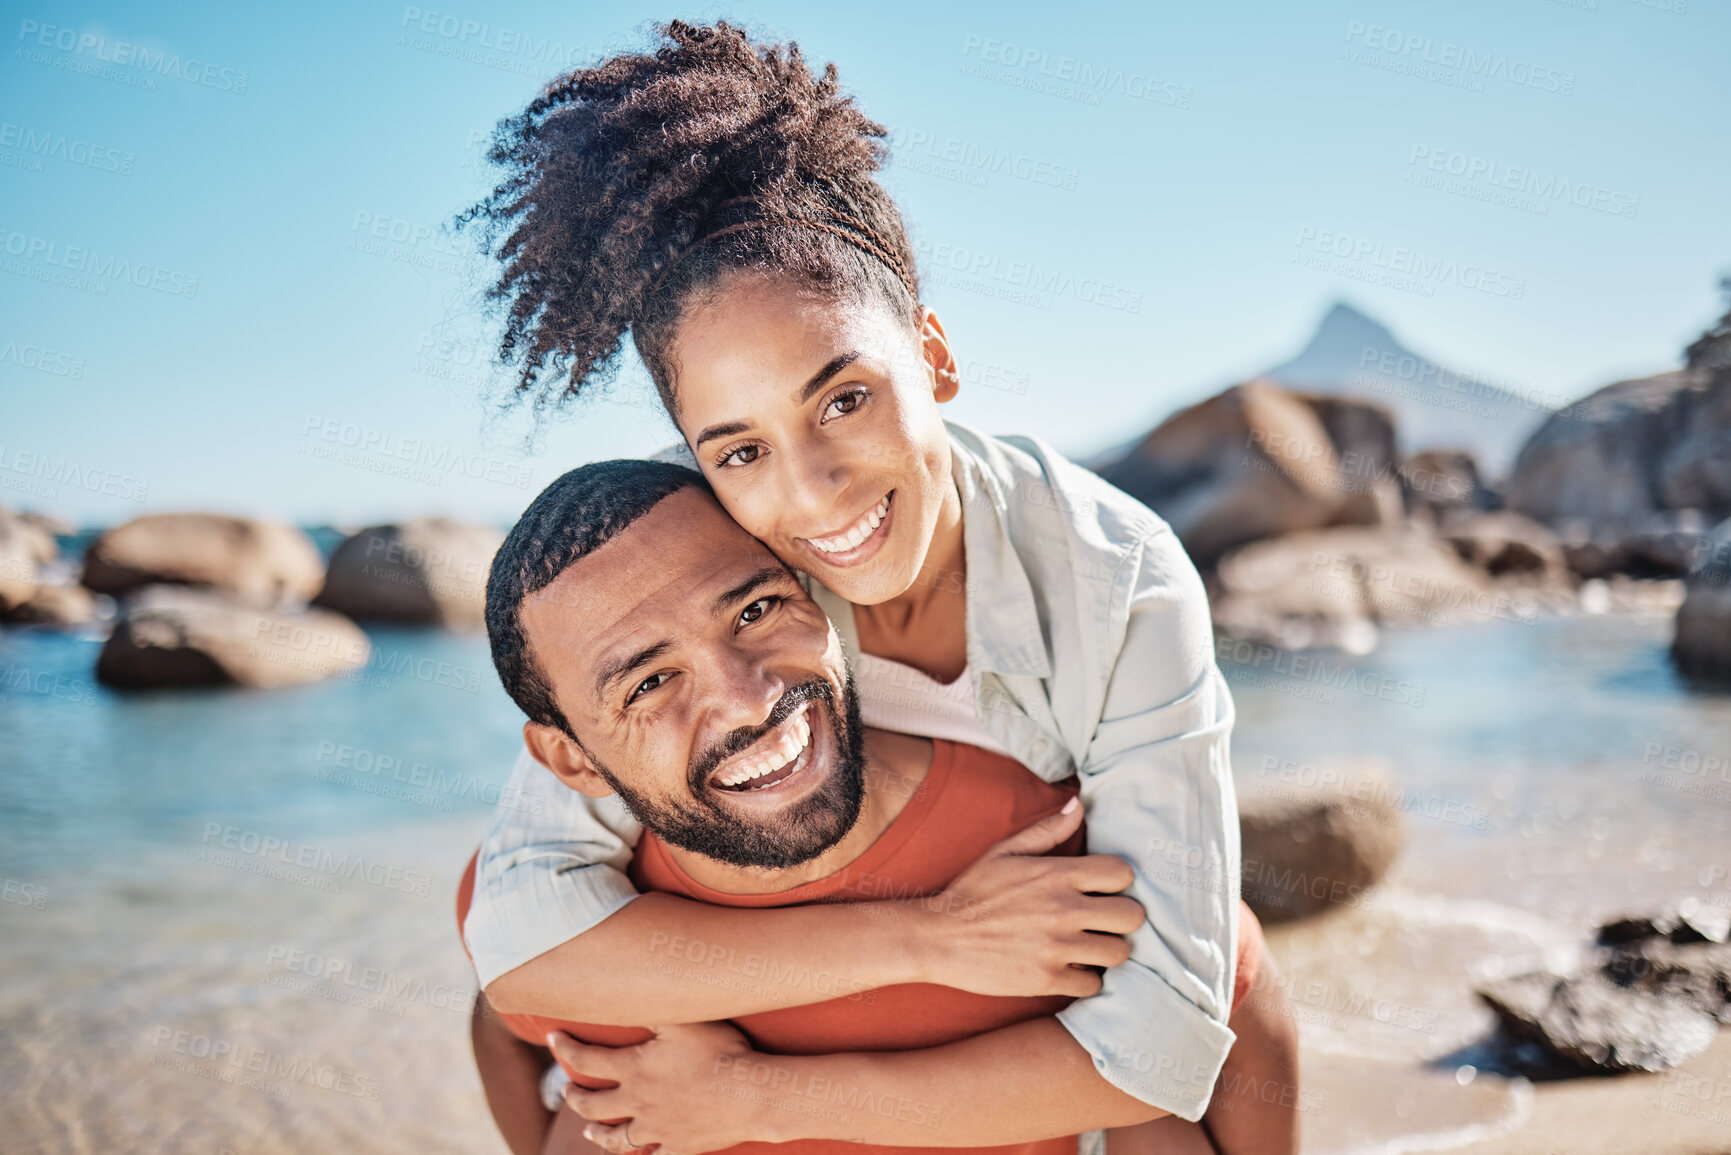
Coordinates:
629	186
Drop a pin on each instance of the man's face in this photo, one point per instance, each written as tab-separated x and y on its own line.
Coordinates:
705	687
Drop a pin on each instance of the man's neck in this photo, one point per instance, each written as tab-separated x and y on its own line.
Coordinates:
895	765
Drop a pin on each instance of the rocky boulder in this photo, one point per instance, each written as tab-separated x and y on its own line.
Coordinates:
1681	953
1648	995
1336	587
1631	449
1441	480
1665	544
1314	839
1590	1021
252	562
173	637
1259	460
426	572
56	605
50	526
1701	642
1696	975
20	554
1508	545
1690	922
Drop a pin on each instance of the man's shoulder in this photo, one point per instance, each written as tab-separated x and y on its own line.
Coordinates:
994	795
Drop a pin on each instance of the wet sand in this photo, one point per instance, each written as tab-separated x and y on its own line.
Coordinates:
165	998
1392	1042
202	1009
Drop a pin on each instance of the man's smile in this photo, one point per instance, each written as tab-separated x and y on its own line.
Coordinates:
778	756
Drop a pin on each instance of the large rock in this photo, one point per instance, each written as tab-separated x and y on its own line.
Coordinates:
1665	544
184	637
1646	997
426	572
1701	643
1689	922
1335	587
1631	449
20	553
1508	545
1598	1025
1315	839
1441	480
50	526
54	605
253	562
1680	952
1258	460
1697	975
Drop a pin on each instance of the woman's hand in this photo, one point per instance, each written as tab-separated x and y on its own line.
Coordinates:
565	1136
688	1090
1020	922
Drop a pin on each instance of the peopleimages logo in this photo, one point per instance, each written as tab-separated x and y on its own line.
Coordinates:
93	268
1543	189
59	471
973	163
1069	76
986	272
41	359
481	42
154	62
39	146
1403	52
1414	265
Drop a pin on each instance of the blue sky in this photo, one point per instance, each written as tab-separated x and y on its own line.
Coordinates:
224	284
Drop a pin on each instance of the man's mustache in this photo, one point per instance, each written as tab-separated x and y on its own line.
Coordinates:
706	763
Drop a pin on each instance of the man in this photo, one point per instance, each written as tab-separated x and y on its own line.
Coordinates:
665	656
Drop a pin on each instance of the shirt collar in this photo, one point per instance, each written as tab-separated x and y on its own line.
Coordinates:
1004	634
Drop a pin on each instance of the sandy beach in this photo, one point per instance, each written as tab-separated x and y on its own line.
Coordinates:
170	981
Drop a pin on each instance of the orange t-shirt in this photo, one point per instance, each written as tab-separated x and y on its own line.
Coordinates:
968	800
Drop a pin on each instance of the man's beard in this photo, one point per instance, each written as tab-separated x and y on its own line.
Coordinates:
814	824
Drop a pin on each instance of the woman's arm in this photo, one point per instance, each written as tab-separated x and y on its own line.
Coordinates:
1013	923
701	1088
1157	785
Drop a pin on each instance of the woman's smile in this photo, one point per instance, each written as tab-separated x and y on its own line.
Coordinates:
859	540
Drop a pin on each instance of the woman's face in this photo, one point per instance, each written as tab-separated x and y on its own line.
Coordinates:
817	423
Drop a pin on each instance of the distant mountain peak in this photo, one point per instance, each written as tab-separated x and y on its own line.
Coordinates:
1337	349
1435	407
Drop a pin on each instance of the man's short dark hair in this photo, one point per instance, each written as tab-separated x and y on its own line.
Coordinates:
573	517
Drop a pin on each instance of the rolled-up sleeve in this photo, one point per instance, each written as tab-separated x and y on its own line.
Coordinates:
1157	787
552	865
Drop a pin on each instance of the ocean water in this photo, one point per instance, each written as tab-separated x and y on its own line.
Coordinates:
228	919
1549	775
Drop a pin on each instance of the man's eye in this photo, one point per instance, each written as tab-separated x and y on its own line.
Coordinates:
650	683
756	609
844	403
744	455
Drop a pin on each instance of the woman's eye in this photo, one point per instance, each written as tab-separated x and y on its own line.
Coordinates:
756	610
652	682
744	455
844	403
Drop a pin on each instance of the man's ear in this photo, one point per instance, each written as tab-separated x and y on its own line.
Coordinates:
559	752
939	357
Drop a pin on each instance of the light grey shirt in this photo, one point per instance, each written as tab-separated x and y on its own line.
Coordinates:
1091	654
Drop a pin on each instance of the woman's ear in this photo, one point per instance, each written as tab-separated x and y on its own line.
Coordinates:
560	753
939	357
